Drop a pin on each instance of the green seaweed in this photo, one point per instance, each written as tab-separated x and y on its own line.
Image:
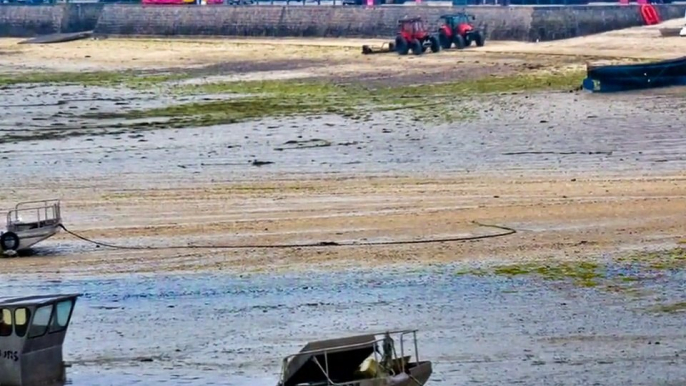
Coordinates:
303	89
252	100
641	266
671	308
394	94
586	274
539	81
39	135
670	259
224	111
131	79
435	103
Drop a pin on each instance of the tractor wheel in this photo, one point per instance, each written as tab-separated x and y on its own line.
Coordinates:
479	39
459	42
444	40
435	44
401	46
416	47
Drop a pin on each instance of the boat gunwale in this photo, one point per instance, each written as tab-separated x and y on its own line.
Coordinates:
350	346
635	66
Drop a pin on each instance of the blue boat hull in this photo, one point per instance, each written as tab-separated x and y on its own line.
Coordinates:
617	85
614	78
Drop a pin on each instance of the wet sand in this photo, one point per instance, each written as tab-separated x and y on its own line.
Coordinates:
229	330
580	176
580	180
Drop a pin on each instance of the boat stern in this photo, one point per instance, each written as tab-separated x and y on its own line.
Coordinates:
422	372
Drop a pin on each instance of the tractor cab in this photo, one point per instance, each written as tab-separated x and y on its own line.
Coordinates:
414	36
460	21
459	30
413	28
32	331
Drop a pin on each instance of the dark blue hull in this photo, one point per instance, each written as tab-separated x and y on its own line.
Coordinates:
638	76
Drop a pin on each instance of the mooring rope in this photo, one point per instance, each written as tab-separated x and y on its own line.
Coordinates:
506	232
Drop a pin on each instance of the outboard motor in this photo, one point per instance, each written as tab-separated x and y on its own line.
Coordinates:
32	331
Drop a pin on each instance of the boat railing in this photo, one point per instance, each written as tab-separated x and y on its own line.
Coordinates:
43	212
402	347
326	351
44	203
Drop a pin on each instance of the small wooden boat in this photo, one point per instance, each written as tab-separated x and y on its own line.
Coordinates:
58	38
30	223
624	77
362	360
670	32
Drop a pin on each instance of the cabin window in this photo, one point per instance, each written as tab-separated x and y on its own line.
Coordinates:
21	321
41	320
5	322
60	318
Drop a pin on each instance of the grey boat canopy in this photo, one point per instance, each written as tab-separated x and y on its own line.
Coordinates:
32	331
337	357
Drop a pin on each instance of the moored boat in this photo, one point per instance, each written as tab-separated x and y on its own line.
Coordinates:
623	77
670	32
362	360
30	223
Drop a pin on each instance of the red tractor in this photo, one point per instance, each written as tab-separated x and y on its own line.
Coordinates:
414	36
457	29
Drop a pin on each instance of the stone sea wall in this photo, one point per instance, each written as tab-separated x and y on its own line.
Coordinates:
522	23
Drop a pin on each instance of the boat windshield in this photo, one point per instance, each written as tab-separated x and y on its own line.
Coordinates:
5	322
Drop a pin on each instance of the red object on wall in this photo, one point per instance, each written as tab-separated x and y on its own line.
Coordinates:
649	14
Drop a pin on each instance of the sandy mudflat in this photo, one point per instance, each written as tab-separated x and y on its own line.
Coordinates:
579	174
591	176
556	217
581	177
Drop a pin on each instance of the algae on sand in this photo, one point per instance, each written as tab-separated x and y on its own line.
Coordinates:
671	308
131	79
625	274
437	103
434	103
585	274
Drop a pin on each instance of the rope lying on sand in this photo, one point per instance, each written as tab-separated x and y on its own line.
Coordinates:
506	232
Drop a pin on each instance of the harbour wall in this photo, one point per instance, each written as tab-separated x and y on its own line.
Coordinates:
523	23
33	20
